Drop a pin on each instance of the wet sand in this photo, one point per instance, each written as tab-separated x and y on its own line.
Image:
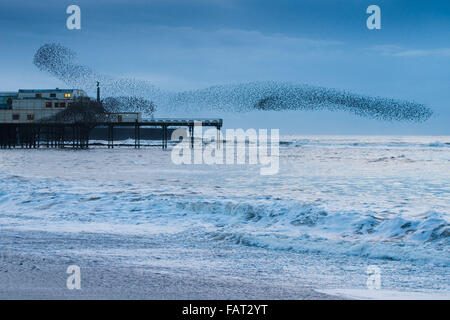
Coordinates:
30	277
42	275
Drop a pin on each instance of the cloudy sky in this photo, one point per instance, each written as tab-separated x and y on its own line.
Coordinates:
193	44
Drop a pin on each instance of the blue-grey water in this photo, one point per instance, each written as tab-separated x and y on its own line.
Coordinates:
337	205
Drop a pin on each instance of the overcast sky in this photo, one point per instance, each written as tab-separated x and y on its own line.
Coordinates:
193	44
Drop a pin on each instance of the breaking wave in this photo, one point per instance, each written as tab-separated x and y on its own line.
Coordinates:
274	224
308	228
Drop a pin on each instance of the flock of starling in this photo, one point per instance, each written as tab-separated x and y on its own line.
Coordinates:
127	94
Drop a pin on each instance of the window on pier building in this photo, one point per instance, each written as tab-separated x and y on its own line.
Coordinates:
16	116
30	116
67	95
38	95
52	95
56	105
48	104
62	105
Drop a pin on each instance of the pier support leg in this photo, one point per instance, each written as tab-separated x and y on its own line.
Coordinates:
137	136
63	136
87	137
191	135
111	136
21	135
164	137
47	136
218	141
38	136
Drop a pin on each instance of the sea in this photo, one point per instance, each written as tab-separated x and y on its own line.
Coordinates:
339	206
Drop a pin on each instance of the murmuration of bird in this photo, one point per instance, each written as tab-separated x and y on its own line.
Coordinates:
128	94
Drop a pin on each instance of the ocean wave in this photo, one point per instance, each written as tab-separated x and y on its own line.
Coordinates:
352	143
306	227
272	223
439	144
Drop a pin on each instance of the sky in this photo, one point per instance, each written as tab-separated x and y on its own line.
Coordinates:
182	45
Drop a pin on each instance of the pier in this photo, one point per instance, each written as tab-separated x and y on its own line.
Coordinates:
76	134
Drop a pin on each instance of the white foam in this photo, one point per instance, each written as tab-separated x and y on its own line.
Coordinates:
382	294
